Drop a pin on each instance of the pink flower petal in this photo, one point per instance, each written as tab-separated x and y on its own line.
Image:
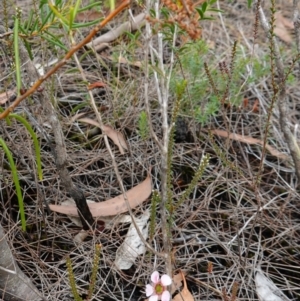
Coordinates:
155	277
149	290
153	298
166	280
165	296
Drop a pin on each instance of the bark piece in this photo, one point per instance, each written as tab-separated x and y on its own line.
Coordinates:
14	284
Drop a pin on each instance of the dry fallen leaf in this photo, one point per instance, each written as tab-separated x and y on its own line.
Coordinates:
109	221
266	289
97	84
114	135
177	282
77	116
185	294
135	196
255	107
132	245
123	60
81	236
5	96
281	28
250	140
88	16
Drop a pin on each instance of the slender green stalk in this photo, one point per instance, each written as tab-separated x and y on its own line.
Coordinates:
155	199
112	4
180	88
34	138
72	280
94	271
16	182
57	13
143	126
35	142
17	55
203	164
89	6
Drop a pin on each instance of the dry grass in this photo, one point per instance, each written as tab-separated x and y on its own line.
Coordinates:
239	215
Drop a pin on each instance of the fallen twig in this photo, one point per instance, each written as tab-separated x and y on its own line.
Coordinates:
73	49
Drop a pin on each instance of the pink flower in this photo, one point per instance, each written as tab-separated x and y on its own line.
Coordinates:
158	290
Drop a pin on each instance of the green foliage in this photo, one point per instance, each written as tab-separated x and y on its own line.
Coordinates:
192	70
206	7
111	4
210	86
202	166
133	42
223	157
34	138
93	276
13	166
45	22
35	142
180	89
143	125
